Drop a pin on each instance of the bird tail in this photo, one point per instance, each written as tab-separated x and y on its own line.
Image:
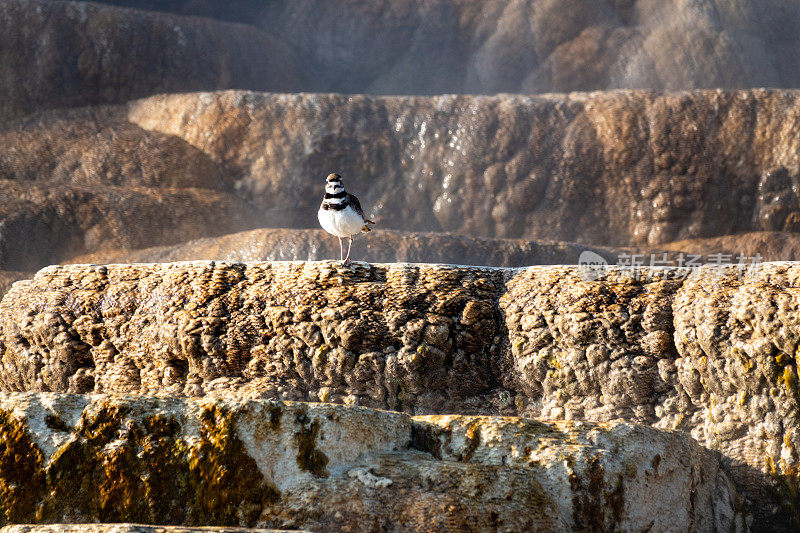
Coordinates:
366	227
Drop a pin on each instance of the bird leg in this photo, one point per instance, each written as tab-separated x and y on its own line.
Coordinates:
341	249
349	245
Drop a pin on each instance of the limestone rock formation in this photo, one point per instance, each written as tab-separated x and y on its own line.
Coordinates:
7	278
80	181
587	398
541	46
325	467
766	245
625	169
382	246
67	54
614	168
708	352
44	224
404	47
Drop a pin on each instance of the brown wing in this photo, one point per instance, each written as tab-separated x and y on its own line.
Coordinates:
356	204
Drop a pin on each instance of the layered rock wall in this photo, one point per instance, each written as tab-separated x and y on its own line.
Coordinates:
68	54
710	352
59	54
629	168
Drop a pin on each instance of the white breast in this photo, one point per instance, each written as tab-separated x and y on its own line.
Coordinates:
342	223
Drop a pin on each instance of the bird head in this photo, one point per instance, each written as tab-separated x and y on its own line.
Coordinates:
333	183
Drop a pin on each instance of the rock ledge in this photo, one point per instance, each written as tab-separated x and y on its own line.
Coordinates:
328	467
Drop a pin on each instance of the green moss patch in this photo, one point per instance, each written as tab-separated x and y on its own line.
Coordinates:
309	458
116	468
22	481
226	481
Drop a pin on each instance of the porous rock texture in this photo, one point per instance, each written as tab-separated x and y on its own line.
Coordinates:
325	467
619	168
710	352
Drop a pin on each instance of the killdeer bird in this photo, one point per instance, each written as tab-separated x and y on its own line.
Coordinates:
340	214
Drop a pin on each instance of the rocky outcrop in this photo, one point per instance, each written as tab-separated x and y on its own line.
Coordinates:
490	46
766	245
541	46
67	54
43	224
80	181
7	278
324	467
603	168
711	353
624	168
378	246
685	381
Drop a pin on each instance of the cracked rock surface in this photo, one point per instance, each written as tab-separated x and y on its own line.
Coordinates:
710	353
325	467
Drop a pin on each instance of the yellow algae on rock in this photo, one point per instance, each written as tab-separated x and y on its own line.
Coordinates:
261	463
